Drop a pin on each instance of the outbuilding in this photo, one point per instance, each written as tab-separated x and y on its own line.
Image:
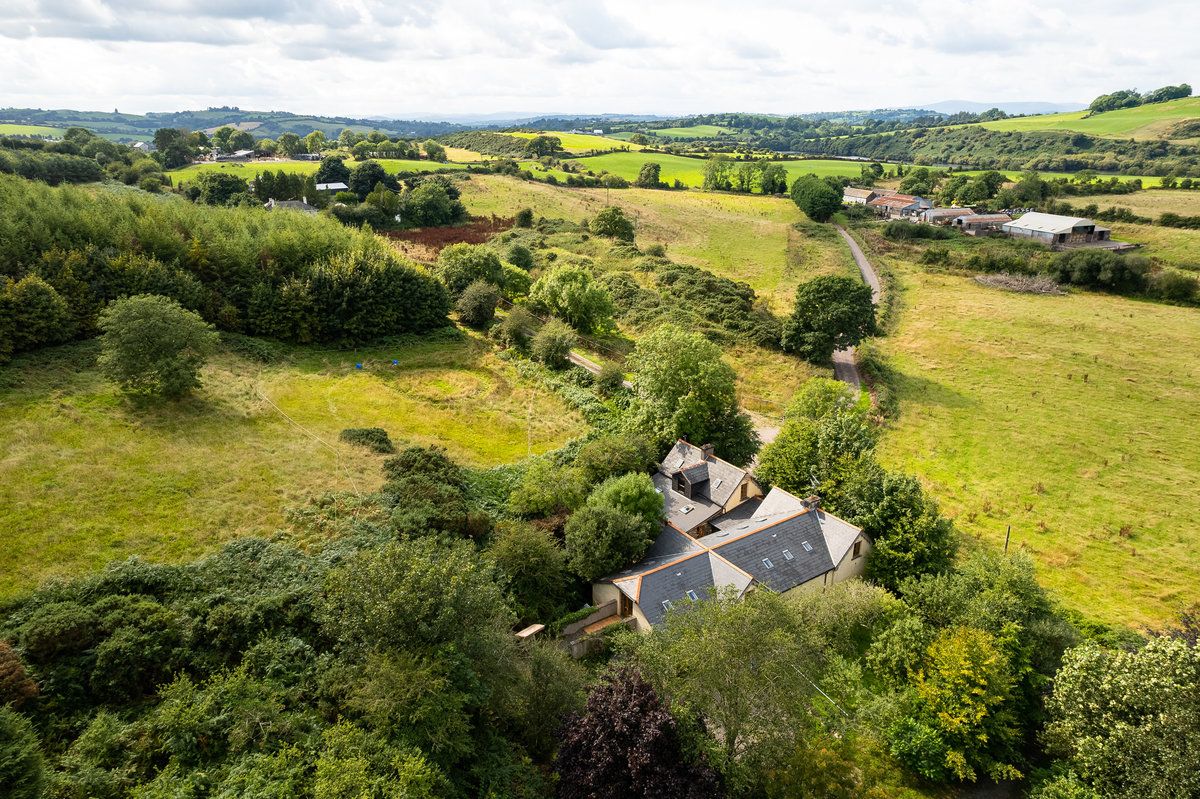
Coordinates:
1055	230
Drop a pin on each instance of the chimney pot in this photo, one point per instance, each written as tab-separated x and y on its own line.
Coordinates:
812	502
707	450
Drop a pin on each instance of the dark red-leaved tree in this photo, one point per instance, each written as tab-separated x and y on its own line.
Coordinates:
15	684
626	745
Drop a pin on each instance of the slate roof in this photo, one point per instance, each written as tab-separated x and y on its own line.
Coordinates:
332	186
290	205
723	477
676	505
698	572
780	555
742	514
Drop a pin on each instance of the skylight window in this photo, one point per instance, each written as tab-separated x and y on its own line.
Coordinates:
692	596
807	546
787	554
767	562
760	518
666	604
717	484
687	509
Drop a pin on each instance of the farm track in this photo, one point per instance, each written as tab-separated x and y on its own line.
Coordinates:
844	366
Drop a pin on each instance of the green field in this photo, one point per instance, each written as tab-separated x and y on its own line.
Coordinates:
690	171
1144	122
1148	203
10	129
692	132
249	170
577	142
1069	418
86	478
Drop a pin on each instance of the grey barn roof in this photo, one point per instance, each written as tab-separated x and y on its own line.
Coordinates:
1038	222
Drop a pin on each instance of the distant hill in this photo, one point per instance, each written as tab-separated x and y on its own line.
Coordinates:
956	106
269	124
1174	120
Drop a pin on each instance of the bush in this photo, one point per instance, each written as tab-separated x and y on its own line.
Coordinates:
375	439
524	218
460	265
552	344
545	490
1101	269
151	346
477	305
22	770
613	223
1174	286
614	454
610	380
569	293
519	255
602	539
517	328
899	230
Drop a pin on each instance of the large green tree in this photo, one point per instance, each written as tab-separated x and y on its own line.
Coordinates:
816	198
684	389
831	313
22	768
570	293
152	346
460	265
332	169
1128	722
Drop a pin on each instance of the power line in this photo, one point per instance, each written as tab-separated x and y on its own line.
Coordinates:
337	454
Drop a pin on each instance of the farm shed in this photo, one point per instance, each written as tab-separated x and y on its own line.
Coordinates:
1055	230
853	196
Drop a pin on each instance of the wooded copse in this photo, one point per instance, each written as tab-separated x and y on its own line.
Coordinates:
286	276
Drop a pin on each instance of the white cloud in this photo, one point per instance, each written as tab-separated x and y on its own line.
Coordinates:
399	57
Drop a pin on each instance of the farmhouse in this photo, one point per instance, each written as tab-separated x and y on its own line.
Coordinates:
896	206
332	187
307	156
853	196
943	216
981	224
738	540
1055	230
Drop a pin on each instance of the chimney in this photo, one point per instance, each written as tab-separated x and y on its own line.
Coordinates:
812	502
706	451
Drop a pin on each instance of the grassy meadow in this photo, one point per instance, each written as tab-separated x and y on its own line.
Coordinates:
1148	203
692	131
1068	418
577	142
87	477
1144	122
12	129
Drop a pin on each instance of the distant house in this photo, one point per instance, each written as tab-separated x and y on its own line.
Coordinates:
722	534
332	187
143	147
896	206
598	132
1055	230
307	156
853	196
981	224
290	205
943	216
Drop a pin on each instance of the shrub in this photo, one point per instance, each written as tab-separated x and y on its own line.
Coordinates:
22	769
610	380
460	265
546	489
899	230
602	539
614	454
519	255
552	344
613	223
151	345
477	305
524	218
570	294
375	439
1101	269
1174	286
517	328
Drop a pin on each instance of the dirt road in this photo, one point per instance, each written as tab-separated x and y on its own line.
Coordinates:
844	366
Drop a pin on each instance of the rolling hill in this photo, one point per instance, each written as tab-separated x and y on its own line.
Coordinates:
1155	121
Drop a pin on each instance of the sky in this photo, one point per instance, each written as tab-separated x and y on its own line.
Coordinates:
446	58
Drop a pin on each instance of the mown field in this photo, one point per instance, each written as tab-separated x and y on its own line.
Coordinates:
576	142
1148	203
1144	122
11	129
249	170
86	477
692	131
1069	418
